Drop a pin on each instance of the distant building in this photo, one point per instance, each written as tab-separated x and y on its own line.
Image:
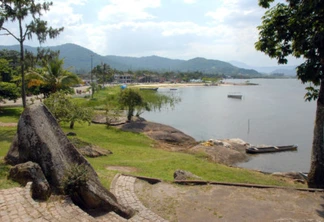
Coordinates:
123	78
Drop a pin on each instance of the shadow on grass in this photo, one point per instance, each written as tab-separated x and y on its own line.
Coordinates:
13	112
4	169
8	135
321	211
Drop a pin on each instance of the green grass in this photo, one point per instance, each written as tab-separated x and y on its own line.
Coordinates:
138	151
10	114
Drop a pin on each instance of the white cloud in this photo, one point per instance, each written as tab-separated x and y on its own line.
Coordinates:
127	10
62	14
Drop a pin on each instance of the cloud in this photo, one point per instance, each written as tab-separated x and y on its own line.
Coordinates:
127	10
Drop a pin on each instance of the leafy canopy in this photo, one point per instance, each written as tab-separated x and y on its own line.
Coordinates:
295	28
27	14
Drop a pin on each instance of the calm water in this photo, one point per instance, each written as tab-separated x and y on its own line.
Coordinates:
276	110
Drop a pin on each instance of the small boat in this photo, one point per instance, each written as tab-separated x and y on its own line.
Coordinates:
173	89
270	149
151	89
234	96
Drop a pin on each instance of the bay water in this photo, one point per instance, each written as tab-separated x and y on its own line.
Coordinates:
271	113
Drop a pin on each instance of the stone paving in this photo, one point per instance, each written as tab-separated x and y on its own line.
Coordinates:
17	205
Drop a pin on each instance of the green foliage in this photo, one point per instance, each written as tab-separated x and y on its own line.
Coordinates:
130	99
297	29
27	14
312	93
65	110
53	76
8	91
74	178
154	101
104	73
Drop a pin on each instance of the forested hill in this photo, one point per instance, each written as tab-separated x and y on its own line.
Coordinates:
79	59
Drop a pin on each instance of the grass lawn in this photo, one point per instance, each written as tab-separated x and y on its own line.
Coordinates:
140	152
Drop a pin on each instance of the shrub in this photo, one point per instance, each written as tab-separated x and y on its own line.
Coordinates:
74	178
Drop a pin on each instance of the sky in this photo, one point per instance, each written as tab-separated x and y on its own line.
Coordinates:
225	30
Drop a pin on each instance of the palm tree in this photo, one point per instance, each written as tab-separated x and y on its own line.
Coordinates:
54	77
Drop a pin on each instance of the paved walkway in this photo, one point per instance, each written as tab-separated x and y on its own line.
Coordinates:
17	205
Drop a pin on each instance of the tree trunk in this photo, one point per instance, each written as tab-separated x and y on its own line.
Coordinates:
316	174
72	124
22	66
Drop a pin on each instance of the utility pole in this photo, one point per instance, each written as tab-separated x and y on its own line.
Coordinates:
91	78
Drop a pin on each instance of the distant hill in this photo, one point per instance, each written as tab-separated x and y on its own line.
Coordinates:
79	59
284	69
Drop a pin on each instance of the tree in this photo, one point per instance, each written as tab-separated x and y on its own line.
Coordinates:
104	73
130	99
65	110
297	28
154	101
8	91
54	77
27	11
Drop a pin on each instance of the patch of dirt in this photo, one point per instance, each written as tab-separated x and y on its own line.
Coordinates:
229	203
124	169
226	151
7	124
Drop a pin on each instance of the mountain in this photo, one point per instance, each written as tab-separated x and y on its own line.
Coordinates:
284	69
81	59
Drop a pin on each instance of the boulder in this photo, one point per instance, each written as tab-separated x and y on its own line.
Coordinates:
41	140
184	175
162	133
29	171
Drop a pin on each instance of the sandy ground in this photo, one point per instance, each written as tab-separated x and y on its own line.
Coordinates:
229	203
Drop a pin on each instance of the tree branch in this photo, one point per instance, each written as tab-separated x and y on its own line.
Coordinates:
10	33
24	35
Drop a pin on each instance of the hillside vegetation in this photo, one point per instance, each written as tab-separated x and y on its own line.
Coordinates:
79	59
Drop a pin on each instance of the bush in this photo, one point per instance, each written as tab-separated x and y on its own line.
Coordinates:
74	178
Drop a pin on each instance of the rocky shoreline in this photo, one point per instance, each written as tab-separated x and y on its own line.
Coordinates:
223	151
226	151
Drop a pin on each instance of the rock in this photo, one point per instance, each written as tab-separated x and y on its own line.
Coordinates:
160	132
112	120
239	141
41	140
29	171
184	175
218	143
291	175
94	151
40	190
13	158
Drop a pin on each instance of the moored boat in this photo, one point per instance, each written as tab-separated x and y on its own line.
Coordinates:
234	96
270	149
152	89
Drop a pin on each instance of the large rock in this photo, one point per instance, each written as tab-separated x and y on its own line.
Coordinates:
31	172
94	151
185	175
160	132
41	140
